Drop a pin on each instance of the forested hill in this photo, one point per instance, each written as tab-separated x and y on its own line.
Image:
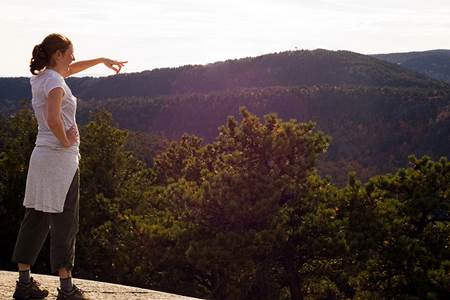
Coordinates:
290	68
373	129
433	63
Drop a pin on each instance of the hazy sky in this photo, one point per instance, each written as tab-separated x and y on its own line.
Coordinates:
167	33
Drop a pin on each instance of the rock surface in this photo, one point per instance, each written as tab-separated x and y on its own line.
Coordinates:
94	289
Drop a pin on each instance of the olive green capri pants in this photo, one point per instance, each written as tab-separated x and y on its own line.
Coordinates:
63	229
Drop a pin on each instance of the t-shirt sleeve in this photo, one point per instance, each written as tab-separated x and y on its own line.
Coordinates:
51	83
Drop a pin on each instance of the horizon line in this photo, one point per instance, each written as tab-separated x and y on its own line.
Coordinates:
100	75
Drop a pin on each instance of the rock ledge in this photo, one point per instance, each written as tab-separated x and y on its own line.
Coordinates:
94	289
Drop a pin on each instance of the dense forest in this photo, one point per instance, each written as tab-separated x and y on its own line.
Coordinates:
245	216
373	129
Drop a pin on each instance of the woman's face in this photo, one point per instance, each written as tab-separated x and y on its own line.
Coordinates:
65	58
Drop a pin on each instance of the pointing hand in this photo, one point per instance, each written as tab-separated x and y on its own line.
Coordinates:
112	63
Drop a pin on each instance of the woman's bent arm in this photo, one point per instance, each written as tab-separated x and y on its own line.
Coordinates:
54	120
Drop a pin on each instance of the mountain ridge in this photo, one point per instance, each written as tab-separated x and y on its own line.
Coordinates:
287	68
433	63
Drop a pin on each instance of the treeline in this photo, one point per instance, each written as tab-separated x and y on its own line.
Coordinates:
288	68
245	216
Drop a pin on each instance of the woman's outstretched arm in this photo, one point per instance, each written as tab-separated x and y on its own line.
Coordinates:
85	64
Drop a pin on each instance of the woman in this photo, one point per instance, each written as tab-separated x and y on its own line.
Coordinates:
52	187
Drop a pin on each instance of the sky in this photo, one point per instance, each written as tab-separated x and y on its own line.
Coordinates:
169	33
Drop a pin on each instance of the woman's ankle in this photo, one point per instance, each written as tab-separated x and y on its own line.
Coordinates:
23	267
64	273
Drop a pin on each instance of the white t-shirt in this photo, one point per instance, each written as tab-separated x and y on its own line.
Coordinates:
41	85
52	167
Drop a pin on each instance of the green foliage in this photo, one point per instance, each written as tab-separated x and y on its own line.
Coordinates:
246	216
373	128
245	196
17	136
114	188
145	146
401	246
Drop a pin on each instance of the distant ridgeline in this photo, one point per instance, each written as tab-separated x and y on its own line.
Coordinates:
376	112
434	63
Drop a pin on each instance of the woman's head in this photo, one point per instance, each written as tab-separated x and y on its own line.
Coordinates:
55	49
